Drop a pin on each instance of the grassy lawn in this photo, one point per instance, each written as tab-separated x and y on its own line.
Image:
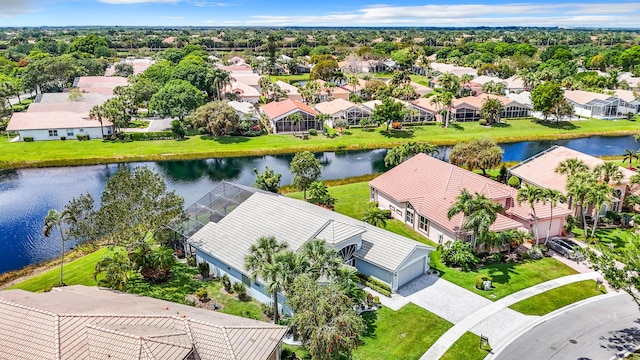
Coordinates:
508	278
77	272
403	334
466	347
616	237
290	78
557	298
50	153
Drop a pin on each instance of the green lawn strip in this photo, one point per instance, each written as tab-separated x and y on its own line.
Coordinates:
52	153
557	298
77	272
616	237
403	334
290	78
509	278
467	347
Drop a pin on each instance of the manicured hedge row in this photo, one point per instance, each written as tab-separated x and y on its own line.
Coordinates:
375	284
146	136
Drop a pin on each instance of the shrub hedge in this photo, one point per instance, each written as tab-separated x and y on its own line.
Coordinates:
375	284
28	139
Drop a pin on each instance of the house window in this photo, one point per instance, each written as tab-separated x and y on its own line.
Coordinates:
409	217
69	132
440	238
468	238
393	209
245	280
53	133
81	130
424	224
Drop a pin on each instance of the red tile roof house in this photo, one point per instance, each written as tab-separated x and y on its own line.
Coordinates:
468	108
421	190
539	170
103	85
278	112
78	322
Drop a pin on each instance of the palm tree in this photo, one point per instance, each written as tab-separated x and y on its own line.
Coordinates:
324	261
55	219
571	167
375	216
97	112
116	268
532	195
450	83
436	99
295	118
478	212
353	81
552	196
447	100
608	171
629	156
578	186
291	265
597	196
261	262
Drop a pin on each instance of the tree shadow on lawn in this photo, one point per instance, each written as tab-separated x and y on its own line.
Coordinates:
370	319
501	125
501	273
611	237
455	126
562	125
397	134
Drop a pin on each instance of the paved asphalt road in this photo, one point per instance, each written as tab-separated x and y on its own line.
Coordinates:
599	330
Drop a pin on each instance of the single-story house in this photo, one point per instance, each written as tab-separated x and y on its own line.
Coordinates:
421	90
139	66
278	113
414	112
453	69
368	66
53	125
343	109
390	258
594	105
246	110
248	79
468	108
421	190
328	93
291	91
103	85
539	170
357	88
79	322
632	81
630	103
245	92
236	69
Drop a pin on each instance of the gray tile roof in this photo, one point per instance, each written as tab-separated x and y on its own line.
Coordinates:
296	222
79	322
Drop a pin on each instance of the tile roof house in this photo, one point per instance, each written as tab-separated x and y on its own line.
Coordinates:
453	69
79	322
421	190
139	66
391	258
103	85
328	93
291	91
343	109
594	105
539	170
415	113
630	103
278	112
246	93
468	108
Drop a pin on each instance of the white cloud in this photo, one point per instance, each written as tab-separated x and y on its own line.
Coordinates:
10	8
514	14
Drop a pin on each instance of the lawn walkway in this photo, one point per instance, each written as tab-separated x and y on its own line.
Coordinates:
441	346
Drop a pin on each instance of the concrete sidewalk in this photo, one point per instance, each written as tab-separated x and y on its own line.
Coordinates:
452	335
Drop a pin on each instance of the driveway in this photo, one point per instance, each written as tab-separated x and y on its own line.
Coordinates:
602	329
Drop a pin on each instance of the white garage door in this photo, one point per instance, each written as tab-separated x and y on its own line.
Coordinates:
410	272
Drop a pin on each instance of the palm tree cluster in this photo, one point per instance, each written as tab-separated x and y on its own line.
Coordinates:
533	195
274	264
478	212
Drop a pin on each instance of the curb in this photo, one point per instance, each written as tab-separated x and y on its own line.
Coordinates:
504	344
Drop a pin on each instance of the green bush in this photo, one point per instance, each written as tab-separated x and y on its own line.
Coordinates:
535	253
460	254
191	261
482	122
374	284
147	136
313	132
481	279
226	282
514	181
239	289
82	137
203	269
202	294
28	139
63	138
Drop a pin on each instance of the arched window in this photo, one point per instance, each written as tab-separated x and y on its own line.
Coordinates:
347	254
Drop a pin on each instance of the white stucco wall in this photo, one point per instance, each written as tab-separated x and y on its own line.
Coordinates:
70	134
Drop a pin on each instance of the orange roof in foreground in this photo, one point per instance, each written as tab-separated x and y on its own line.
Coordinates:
277	109
432	185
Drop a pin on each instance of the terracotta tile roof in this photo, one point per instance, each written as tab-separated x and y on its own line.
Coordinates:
243	89
77	321
69	106
425	103
503	99
483	79
540	169
626	95
288	88
100	84
334	106
52	120
247	79
277	109
421	89
472	102
432	185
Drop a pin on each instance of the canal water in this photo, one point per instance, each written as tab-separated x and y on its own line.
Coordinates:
26	195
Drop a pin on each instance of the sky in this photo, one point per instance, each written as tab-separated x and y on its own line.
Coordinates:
172	13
